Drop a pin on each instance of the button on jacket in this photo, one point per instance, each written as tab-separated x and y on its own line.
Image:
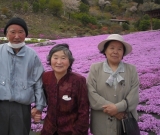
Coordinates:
20	76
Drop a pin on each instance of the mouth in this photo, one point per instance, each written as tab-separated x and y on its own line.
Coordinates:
16	42
114	56
58	66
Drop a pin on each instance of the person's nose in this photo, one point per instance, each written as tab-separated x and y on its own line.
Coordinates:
59	61
115	51
16	35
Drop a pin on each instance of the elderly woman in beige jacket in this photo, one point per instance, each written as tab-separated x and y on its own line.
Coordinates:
109	83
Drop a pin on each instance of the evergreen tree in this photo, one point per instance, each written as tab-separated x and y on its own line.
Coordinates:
55	7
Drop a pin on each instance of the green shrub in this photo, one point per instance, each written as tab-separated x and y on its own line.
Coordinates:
33	40
125	26
55	7
85	18
136	24
14	5
84	8
156	24
146	17
132	28
17	6
144	25
42	5
42	40
25	6
35	7
113	8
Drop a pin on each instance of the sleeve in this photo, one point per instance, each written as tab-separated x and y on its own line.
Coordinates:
40	101
96	100
133	95
81	125
44	86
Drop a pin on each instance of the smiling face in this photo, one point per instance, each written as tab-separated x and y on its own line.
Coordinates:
15	34
60	63
114	52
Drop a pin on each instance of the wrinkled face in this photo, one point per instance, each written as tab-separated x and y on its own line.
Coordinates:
15	34
114	52
60	62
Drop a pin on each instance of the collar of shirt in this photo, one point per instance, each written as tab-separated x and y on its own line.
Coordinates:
20	53
113	75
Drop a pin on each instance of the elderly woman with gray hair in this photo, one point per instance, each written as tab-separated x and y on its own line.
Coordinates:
110	84
67	96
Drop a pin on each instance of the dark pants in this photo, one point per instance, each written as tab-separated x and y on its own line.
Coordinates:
15	118
55	133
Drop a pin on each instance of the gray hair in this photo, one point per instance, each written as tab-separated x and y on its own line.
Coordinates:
65	49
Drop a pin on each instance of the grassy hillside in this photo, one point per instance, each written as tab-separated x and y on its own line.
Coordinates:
42	25
45	25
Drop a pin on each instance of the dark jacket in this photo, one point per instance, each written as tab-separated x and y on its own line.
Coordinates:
68	105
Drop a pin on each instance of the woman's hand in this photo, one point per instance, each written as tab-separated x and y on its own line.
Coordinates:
110	109
36	115
120	115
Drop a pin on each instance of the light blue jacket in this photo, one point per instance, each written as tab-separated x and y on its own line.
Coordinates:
20	76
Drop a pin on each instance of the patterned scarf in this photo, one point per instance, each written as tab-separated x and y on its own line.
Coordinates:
114	76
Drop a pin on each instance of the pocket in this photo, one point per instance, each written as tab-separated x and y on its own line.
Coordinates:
24	85
66	105
26	92
67	102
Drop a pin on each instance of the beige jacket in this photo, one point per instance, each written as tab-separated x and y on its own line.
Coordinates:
100	93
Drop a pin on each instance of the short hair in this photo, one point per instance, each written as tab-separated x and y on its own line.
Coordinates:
106	46
61	47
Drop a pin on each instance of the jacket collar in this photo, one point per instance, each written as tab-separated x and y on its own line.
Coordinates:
20	53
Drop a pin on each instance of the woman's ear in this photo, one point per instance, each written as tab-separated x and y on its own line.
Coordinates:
105	53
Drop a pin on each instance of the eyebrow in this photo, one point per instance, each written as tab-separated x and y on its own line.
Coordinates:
112	45
15	30
61	55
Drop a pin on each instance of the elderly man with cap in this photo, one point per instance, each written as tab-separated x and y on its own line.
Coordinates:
111	84
20	81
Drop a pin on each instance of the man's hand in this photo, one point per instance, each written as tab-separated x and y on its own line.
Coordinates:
36	115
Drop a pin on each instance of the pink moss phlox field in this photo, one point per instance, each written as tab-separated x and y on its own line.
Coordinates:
145	56
149	123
